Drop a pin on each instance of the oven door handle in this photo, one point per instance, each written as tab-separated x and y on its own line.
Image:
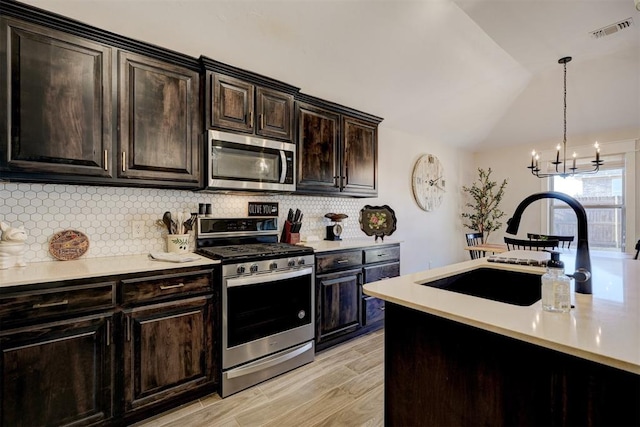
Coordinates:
268	362
268	277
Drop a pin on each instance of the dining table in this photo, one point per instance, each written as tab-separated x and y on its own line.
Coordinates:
495	248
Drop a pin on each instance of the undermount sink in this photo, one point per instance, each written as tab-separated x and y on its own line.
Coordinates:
511	287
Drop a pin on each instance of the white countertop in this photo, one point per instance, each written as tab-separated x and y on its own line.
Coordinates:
337	245
52	271
603	327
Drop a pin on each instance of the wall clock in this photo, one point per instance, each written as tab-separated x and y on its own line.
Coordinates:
428	182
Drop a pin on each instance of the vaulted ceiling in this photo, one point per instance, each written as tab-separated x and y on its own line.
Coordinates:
468	73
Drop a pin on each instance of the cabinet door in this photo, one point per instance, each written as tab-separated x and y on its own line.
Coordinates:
233	103
339	303
318	150
168	351
158	117
57	373
275	114
56	102
359	159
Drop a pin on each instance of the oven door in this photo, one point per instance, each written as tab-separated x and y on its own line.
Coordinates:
265	313
245	162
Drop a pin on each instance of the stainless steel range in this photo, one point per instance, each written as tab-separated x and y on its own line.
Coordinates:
268	299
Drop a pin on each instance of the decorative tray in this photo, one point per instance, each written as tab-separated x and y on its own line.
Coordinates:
68	244
377	221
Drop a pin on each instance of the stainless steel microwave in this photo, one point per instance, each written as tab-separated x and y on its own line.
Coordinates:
244	162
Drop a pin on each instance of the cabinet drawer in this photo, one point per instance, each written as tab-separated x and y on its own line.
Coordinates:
389	253
338	260
382	271
69	299
373	309
157	287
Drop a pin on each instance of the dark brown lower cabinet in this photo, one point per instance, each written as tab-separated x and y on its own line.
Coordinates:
167	351
106	351
443	373
343	311
339	303
58	373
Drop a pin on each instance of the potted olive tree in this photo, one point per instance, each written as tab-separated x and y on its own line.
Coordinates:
485	196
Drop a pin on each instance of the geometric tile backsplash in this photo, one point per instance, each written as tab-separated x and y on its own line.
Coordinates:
105	214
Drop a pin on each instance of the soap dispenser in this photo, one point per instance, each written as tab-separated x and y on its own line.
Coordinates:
556	295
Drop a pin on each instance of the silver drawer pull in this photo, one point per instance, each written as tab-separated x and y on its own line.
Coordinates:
382	254
342	261
51	304
179	285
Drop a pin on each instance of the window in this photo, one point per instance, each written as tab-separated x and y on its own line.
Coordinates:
603	197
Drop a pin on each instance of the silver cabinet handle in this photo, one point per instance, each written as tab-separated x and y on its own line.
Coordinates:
124	161
51	304
342	261
106	160
165	287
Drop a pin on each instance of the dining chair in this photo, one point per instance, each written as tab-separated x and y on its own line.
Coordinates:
531	245
474	239
564	241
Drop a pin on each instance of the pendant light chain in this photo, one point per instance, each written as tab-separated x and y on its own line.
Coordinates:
564	141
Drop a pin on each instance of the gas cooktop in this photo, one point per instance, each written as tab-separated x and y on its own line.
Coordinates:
255	250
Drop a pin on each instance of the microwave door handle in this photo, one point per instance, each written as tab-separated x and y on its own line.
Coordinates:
283	162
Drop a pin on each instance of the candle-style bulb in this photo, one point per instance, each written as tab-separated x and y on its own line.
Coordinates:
558	147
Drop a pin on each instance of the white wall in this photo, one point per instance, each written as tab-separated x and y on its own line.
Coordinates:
431	239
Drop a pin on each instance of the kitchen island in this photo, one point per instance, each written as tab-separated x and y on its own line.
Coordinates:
454	359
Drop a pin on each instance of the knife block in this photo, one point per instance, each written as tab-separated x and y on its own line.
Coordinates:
288	236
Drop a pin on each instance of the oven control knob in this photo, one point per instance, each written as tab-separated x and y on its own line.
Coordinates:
291	263
301	314
300	261
240	269
253	268
273	266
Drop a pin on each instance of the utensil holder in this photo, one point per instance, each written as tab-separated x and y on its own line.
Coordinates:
178	243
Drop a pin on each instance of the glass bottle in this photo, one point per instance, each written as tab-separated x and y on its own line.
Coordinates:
556	295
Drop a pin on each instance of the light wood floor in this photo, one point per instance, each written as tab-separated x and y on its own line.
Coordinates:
343	386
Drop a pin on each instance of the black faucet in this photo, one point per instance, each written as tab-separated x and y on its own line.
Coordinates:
582	275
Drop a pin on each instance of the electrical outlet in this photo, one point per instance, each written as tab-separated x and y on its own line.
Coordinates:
137	229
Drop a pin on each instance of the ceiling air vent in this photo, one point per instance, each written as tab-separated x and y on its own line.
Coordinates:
611	29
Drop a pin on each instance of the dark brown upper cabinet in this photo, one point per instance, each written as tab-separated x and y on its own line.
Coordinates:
337	149
359	156
56	105
158	118
81	105
318	150
241	101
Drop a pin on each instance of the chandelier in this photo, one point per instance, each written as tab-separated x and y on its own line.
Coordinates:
561	168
